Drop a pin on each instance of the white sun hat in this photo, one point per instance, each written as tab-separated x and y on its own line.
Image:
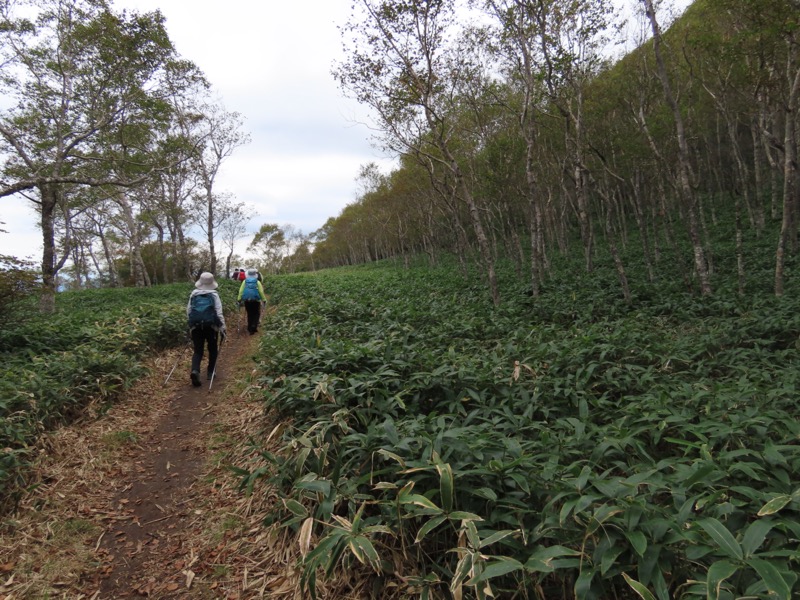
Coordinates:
206	282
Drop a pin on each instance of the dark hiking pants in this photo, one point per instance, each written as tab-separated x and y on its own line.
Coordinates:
253	309
202	335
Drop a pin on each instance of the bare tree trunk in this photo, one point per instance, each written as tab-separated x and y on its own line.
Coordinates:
113	276
618	264
790	183
210	231
78	265
684	168
581	188
772	158
162	250
174	249
49	198
641	223
138	269
709	256
534	215
758	177
515	249
184	253
740	269
95	262
483	242
742	172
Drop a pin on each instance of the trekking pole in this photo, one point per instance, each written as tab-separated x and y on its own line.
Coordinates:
239	319
219	351
173	370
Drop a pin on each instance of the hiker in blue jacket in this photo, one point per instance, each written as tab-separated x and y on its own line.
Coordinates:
207	324
251	292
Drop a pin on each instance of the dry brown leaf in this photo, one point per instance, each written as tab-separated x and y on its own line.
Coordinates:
305	536
189	578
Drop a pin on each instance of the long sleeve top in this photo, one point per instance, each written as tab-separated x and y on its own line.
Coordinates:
262	296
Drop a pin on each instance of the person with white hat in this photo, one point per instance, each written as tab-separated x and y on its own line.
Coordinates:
251	292
206	323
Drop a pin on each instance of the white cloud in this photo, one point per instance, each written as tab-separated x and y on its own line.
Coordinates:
22	237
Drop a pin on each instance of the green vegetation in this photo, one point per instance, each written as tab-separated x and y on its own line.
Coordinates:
17	283
53	366
567	445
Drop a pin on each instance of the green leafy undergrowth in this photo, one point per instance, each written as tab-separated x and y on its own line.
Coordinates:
568	445
89	351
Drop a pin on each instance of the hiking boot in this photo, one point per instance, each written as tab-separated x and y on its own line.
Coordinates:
195	379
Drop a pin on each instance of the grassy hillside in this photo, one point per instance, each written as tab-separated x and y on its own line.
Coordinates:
568	445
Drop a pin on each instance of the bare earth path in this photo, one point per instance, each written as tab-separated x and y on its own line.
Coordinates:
139	502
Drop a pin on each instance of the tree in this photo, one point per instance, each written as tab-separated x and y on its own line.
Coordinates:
83	83
684	162
219	135
233	225
400	64
270	242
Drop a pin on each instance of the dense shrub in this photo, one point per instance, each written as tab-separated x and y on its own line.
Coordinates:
17	285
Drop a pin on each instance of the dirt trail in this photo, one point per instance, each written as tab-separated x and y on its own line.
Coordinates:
150	552
139	503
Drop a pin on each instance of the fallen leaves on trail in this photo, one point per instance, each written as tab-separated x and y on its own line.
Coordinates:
189	578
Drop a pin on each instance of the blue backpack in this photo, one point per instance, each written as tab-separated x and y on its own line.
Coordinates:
251	289
202	311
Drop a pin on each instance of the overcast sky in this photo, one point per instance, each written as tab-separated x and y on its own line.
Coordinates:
269	61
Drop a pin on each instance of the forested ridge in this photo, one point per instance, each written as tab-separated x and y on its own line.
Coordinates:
521	138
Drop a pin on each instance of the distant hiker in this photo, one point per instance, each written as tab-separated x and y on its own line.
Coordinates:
251	292
235	275
242	275
206	323
258	276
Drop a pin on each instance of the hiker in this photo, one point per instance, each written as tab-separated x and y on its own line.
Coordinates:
251	292
235	275
242	275
206	323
